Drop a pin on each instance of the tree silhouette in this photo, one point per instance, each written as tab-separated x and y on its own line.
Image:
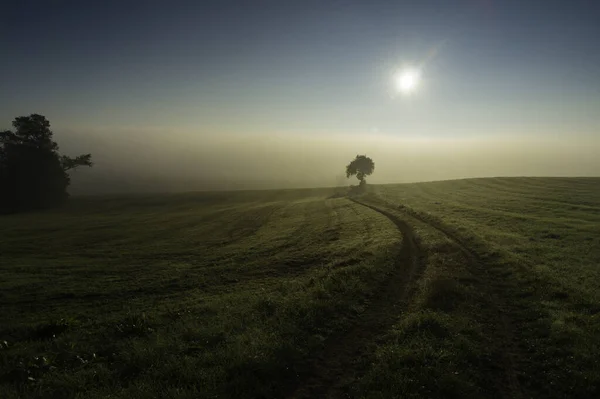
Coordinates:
33	174
361	166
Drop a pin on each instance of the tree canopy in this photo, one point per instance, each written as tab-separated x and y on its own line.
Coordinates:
361	166
33	174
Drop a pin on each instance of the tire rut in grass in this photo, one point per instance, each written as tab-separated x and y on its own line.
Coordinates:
505	339
336	366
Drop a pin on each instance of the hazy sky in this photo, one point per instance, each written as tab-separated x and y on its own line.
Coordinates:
244	88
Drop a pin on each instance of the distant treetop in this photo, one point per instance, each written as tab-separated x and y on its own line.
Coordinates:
361	166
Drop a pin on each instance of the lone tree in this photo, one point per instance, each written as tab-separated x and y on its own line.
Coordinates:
361	166
33	174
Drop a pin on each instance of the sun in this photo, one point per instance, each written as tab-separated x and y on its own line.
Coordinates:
407	80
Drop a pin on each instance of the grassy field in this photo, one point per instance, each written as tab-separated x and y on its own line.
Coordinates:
468	288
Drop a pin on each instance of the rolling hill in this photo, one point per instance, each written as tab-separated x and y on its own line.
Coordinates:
463	288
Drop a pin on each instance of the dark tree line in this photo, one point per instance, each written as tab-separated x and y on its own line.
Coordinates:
33	175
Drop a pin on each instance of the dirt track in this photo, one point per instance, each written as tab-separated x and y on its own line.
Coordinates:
338	365
504	335
335	367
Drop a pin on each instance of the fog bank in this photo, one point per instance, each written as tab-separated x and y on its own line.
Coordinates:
157	160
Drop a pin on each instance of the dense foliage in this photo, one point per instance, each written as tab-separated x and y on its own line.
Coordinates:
33	174
361	166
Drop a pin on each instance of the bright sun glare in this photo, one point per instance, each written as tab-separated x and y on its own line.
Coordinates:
407	80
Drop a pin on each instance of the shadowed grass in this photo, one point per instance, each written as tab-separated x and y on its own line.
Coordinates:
189	298
536	240
239	294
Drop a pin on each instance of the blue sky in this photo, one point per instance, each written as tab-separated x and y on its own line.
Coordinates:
272	65
304	67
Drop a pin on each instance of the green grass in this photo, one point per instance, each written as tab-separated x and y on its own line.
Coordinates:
191	295
539	243
256	293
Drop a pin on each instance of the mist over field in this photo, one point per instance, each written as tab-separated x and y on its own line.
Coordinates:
300	199
155	160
